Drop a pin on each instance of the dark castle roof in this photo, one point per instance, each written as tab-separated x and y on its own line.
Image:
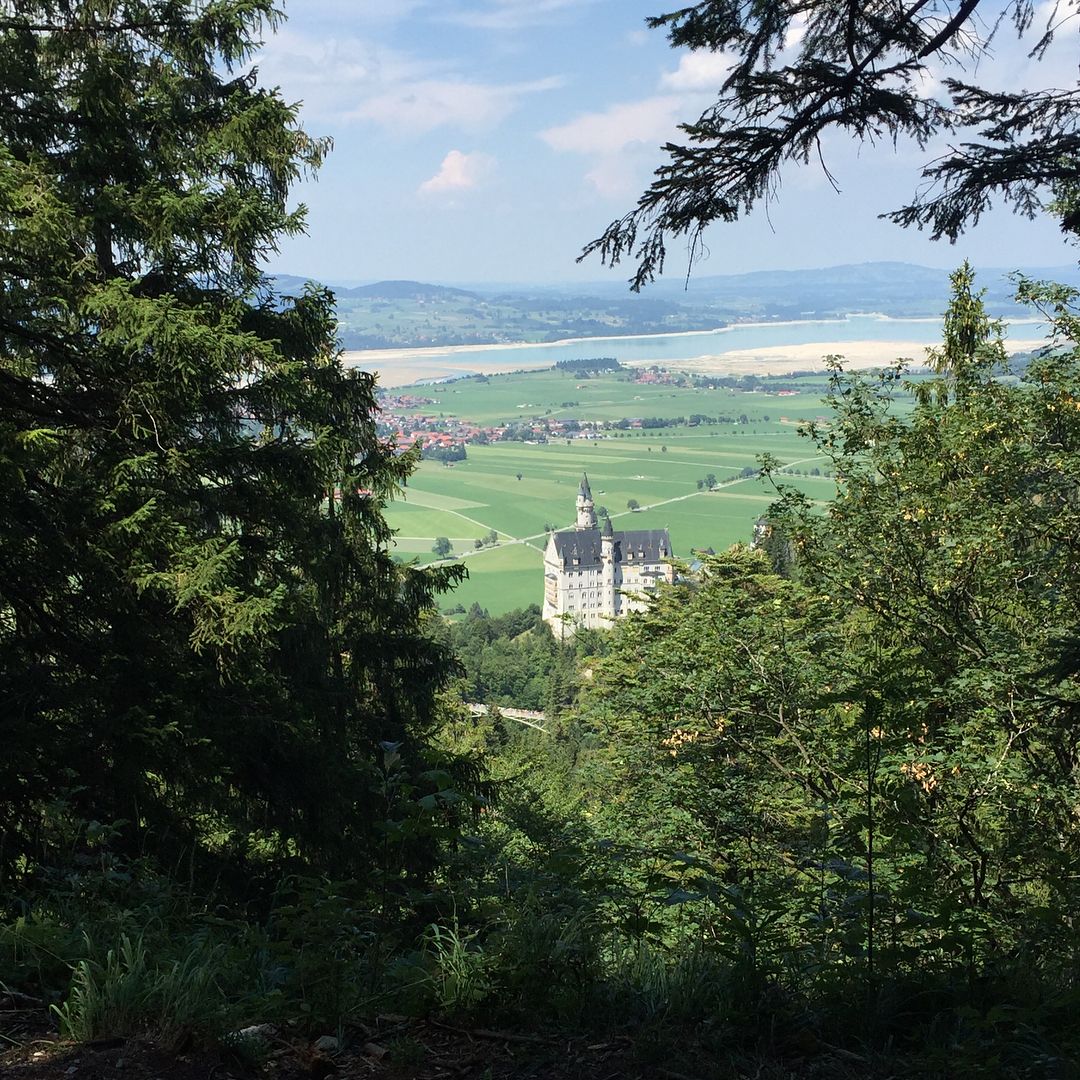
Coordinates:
580	544
583	487
648	542
584	545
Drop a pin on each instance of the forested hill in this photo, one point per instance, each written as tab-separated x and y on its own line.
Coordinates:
389	314
406	290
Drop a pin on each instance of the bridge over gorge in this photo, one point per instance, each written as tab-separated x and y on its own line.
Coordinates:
529	717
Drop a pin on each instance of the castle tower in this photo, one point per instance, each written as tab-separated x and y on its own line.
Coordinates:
586	514
593	575
607	571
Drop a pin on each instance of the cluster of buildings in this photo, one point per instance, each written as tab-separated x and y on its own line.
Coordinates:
430	430
594	575
408	418
656	376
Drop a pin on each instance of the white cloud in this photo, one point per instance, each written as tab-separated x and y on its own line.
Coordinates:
329	75
458	172
348	78
422	106
795	33
621	142
512	14
650	120
700	69
619	176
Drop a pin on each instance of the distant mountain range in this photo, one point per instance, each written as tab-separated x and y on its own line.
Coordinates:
403	314
888	287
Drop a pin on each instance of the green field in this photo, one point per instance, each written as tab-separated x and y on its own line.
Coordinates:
563	395
657	467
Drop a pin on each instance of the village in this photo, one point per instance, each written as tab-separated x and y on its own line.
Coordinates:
410	419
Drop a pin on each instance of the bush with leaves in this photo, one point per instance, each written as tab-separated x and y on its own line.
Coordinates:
870	771
954	538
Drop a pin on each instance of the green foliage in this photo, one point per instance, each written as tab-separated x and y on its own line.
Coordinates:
461	968
725	761
589	365
514	660
865	775
453	453
951	537
203	636
548	954
127	994
36	955
841	798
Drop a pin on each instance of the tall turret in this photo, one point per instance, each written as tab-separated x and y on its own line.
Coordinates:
586	514
608	585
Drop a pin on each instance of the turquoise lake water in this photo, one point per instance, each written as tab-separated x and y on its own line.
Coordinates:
756	336
662	348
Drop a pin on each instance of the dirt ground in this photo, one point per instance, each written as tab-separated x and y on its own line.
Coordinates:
393	1048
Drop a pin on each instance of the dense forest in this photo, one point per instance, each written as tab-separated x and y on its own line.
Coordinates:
814	813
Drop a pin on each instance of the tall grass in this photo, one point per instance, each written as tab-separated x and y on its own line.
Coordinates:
462	969
128	993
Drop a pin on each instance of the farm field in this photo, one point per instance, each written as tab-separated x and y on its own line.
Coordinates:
522	489
509	575
552	394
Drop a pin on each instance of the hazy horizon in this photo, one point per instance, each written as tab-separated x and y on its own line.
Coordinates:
1065	268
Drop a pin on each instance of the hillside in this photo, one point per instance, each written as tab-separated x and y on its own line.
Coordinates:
411	314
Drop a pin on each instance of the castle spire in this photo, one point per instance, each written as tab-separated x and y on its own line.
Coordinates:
586	512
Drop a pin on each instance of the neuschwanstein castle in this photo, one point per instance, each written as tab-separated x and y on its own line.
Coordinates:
593	575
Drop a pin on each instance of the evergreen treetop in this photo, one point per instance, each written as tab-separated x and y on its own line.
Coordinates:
202	633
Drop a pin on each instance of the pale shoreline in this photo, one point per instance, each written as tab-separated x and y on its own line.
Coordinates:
766	360
357	356
786	359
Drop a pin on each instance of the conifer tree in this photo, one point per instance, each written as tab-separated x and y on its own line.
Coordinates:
203	637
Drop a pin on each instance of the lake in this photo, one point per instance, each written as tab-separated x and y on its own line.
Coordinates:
761	347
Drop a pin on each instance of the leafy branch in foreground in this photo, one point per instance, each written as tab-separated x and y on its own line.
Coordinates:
875	763
800	70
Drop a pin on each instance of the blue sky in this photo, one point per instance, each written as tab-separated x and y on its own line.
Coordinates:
489	140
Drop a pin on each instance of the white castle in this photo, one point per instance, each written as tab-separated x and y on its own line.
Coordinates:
593	576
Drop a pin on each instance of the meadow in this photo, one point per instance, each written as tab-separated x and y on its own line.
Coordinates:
659	468
551	394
